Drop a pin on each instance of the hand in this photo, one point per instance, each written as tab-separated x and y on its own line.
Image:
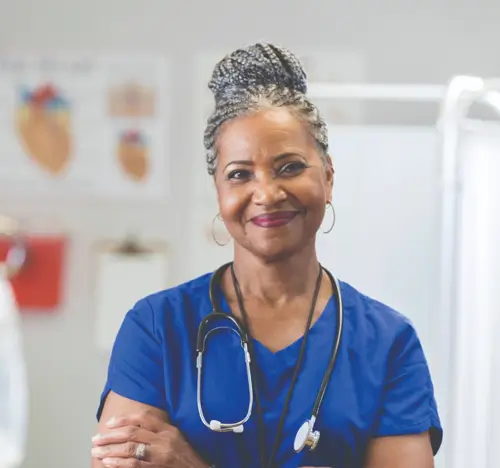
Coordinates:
165	445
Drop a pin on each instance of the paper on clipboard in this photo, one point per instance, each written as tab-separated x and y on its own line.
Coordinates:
124	276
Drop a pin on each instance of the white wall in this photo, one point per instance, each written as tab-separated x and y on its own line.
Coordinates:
425	42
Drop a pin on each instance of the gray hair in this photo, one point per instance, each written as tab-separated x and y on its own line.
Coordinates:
261	75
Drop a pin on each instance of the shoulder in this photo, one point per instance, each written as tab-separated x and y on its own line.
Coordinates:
371	312
373	324
173	304
192	290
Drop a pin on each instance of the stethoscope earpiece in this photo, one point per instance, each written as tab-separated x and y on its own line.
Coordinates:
217	426
306	437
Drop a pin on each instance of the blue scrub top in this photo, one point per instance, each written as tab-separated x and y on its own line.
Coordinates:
381	384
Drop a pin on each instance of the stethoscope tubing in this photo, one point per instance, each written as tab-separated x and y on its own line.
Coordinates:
202	336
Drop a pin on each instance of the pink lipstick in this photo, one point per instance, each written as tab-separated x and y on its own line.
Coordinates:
276	219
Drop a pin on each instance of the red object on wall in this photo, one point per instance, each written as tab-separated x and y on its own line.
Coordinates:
38	285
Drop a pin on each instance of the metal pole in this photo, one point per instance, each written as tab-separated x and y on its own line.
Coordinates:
384	92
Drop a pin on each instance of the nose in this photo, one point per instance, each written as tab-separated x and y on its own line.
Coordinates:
268	192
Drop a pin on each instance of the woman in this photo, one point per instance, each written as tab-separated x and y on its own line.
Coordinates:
267	151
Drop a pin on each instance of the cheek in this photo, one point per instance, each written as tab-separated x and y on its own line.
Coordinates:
313	194
315	200
231	203
317	208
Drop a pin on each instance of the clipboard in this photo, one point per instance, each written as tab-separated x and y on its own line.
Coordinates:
125	273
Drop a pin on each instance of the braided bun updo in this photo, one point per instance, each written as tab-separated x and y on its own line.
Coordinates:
261	75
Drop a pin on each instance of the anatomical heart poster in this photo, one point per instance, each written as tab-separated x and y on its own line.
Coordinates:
83	126
42	123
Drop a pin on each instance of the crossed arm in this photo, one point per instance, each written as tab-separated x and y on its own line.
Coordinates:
137	423
145	424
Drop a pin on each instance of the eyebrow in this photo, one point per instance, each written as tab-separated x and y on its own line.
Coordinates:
247	162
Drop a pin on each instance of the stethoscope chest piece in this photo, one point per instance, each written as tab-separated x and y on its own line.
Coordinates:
306	437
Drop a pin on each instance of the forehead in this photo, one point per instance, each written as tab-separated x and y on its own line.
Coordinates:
264	132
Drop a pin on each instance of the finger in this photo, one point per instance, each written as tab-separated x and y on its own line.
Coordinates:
125	450
125	463
146	420
122	435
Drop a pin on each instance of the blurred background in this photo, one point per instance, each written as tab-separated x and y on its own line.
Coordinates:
126	83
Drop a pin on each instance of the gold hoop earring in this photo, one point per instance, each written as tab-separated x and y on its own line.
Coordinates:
217	217
329	204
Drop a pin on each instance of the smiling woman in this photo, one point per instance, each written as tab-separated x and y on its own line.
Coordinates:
267	151
271	174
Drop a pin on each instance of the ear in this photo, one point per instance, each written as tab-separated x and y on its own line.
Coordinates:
330	173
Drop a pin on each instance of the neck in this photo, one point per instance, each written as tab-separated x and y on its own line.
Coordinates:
278	281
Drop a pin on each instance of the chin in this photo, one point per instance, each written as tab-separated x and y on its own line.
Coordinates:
275	251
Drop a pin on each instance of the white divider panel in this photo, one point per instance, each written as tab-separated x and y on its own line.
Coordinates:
386	238
474	437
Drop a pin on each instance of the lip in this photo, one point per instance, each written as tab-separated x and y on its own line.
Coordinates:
276	219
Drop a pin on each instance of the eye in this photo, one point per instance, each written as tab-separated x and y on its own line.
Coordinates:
292	168
239	174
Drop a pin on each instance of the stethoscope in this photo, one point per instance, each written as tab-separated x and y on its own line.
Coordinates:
306	435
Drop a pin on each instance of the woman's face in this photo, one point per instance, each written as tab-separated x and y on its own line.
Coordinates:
272	184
